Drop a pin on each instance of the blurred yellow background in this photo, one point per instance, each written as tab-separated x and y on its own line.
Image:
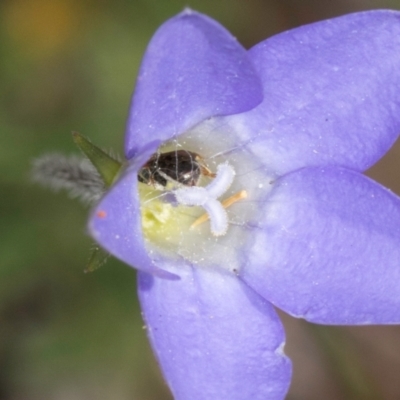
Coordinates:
64	335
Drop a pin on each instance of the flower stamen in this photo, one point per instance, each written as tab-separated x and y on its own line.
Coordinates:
207	196
226	203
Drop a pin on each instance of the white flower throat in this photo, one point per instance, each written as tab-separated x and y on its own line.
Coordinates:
200	195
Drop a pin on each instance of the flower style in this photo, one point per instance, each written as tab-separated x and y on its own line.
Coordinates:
292	122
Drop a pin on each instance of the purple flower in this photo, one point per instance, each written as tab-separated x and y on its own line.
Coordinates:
291	123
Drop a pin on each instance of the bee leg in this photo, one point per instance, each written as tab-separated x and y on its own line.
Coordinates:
206	171
203	167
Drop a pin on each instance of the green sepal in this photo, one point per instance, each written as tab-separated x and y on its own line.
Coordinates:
107	166
97	258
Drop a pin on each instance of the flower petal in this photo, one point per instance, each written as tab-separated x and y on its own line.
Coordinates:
116	223
328	248
331	93
193	69
214	337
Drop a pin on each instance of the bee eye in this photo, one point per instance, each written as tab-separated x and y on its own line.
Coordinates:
144	175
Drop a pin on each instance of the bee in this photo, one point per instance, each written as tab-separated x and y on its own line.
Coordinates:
177	168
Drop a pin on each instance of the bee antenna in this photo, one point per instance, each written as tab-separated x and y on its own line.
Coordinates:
155	198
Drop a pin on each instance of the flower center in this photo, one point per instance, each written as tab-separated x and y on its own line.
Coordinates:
198	199
207	197
174	170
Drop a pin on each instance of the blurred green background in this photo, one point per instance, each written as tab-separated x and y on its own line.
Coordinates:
71	65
